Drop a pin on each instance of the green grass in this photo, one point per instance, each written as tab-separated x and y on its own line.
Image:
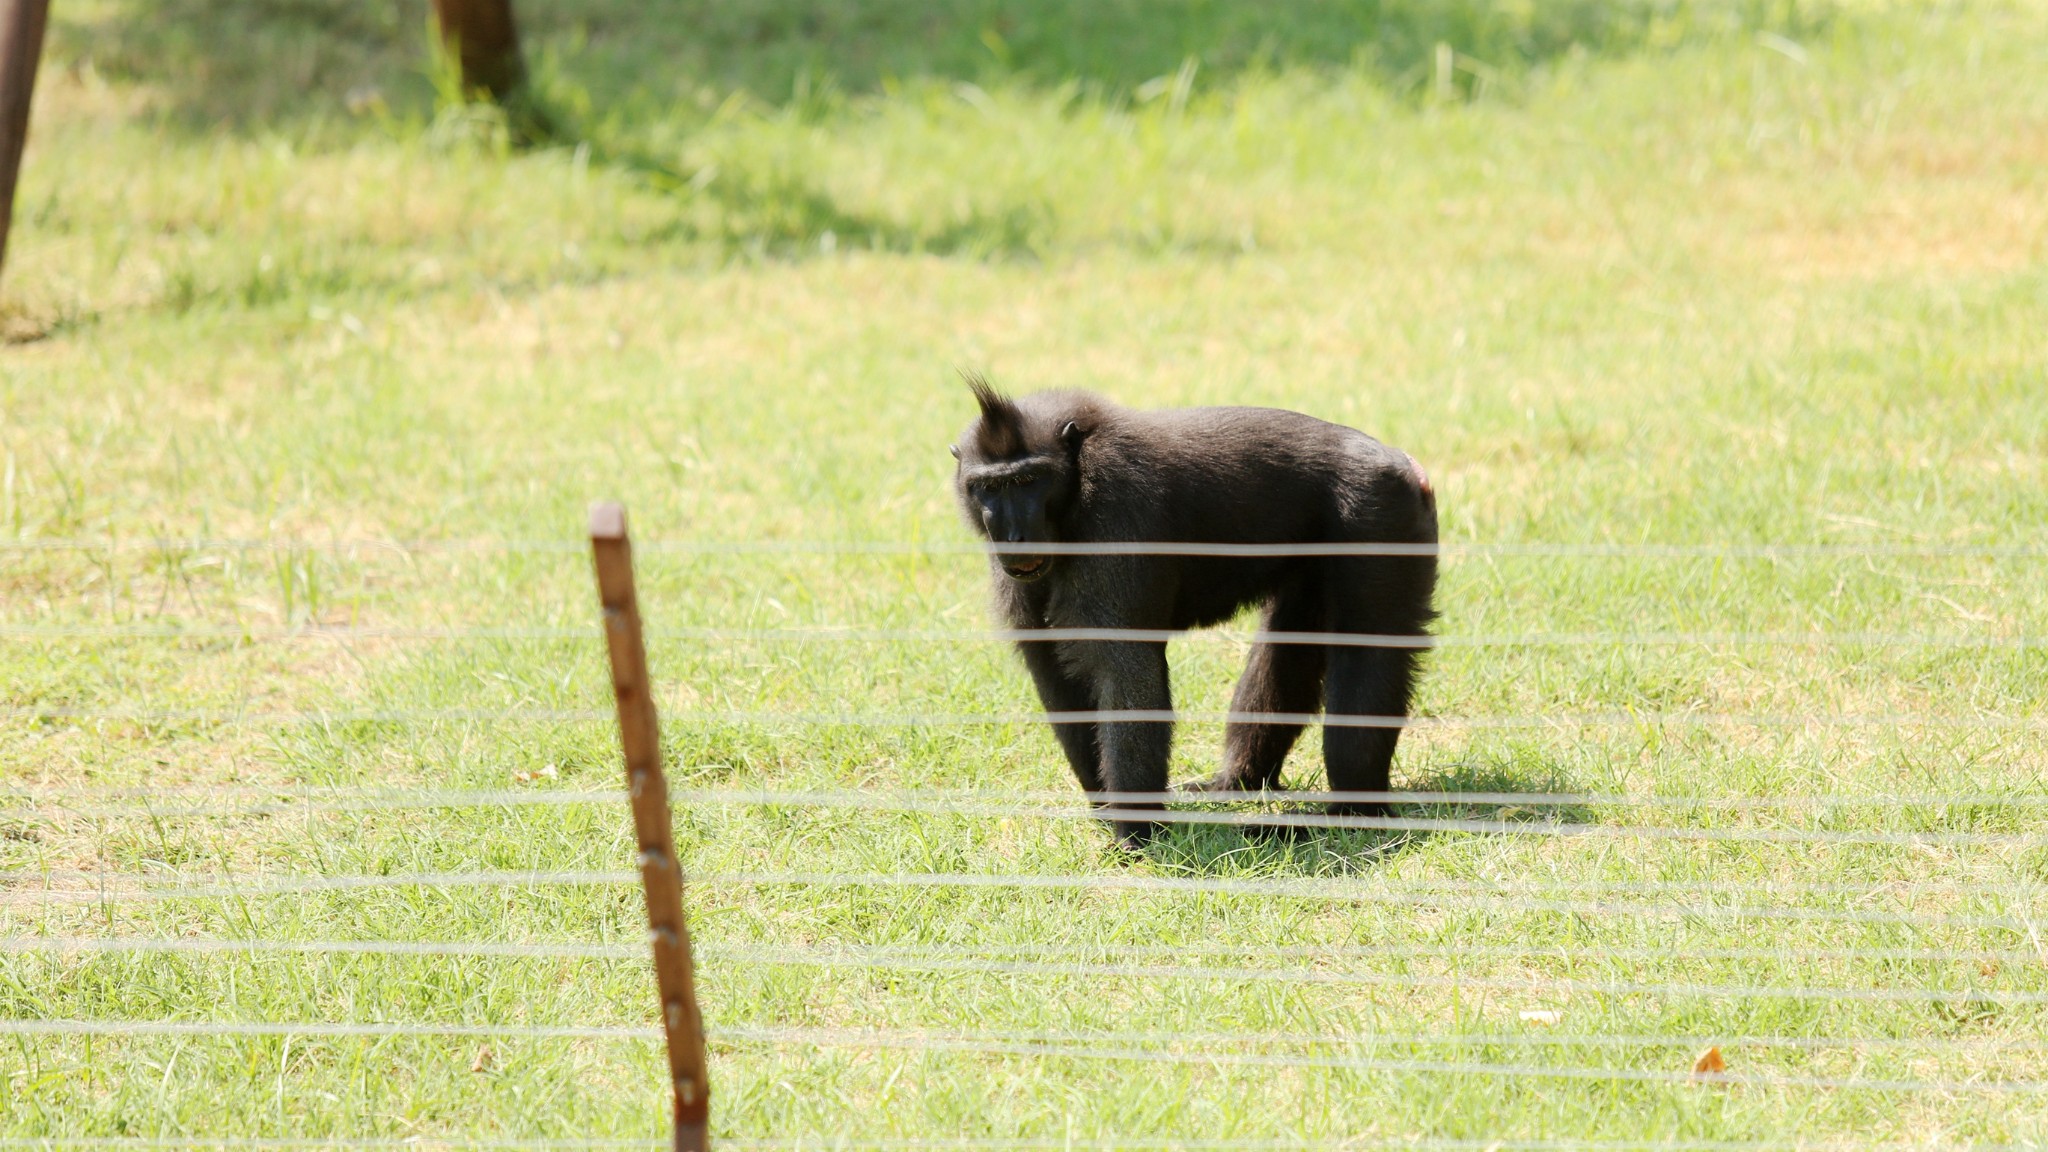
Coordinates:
1716	275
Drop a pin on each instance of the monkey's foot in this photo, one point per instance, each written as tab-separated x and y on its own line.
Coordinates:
1134	836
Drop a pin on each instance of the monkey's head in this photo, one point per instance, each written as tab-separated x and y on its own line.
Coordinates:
1018	476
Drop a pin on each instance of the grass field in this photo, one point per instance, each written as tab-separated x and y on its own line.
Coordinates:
1623	274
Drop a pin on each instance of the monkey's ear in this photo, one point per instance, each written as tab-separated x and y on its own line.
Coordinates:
954	449
1072	433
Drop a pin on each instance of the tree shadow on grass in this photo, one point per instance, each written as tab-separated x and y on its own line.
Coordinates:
305	67
249	64
777	211
1251	851
259	63
631	79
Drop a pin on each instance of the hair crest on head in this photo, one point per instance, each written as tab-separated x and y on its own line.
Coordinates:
1001	431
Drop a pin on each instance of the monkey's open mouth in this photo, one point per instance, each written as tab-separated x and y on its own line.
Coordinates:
1026	569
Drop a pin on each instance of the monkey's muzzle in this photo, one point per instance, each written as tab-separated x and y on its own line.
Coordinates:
1025	568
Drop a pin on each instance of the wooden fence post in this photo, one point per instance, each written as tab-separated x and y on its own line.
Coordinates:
21	47
660	870
486	41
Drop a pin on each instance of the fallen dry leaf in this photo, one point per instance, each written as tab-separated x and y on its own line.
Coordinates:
1541	1016
482	1063
1709	1063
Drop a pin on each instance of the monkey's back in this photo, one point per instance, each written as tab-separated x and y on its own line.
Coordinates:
1260	476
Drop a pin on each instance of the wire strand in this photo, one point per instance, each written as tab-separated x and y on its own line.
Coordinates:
753	955
1578	951
1536	1039
152	803
1537	549
828	634
215	946
1435	1067
1545	985
297	797
219	717
240	887
1546	722
417	1142
236	887
931	1043
319	1028
2017	841
846	1142
868	959
1123	806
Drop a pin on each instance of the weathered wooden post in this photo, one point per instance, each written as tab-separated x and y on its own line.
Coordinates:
21	47
660	870
486	42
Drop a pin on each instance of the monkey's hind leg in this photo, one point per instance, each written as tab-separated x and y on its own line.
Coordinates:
1279	678
1367	705
1368	689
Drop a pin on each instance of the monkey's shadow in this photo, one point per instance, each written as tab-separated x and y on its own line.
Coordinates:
1277	849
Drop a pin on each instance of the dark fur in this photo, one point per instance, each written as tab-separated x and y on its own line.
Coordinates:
1072	467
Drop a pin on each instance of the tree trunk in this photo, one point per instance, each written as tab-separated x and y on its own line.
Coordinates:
21	46
487	42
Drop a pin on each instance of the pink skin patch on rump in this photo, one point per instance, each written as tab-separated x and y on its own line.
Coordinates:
1422	478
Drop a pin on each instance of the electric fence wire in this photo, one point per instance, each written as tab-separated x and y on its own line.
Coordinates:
926	1042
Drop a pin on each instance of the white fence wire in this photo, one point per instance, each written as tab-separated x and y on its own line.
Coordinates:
1759	550
849	954
238	800
993	1046
1547	722
1115	806
828	634
838	1142
884	960
1473	898
1035	1050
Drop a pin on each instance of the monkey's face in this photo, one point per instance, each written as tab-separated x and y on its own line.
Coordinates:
1015	504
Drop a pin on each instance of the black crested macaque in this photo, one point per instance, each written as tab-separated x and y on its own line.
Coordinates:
1072	468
